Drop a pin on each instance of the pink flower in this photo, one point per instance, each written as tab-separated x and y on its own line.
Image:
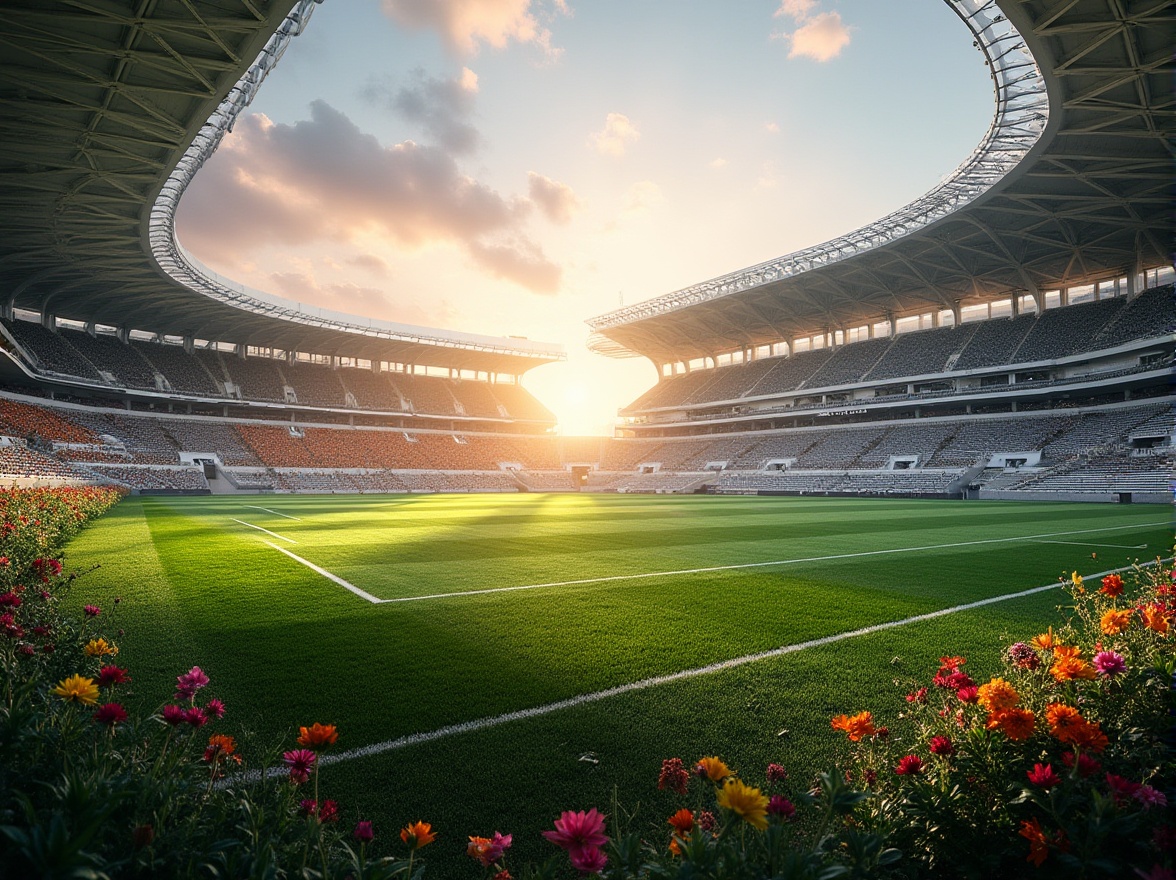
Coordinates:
92	610
1087	766
1150	797
781	806
27	650
490	850
214	709
1023	656
942	746
707	821
363	832
1043	776
776	773
578	830
307	807
919	696
968	694
587	859
1121	789
328	812
195	717
190	682
911	765
110	714
173	715
299	761
673	776
1109	663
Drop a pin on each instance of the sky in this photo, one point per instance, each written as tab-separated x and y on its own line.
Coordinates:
516	167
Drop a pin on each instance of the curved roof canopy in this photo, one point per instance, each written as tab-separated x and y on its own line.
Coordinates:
109	108
1071	185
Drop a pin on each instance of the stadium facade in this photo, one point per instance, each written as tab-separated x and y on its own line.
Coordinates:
1009	334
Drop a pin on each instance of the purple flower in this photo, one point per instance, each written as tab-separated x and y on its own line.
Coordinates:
190	682
92	610
781	806
214	709
363	832
299	761
1150	797
1109	663
173	715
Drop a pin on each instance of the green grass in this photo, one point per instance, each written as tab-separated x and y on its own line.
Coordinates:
286	646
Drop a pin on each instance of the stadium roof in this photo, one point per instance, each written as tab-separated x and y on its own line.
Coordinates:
109	109
1071	185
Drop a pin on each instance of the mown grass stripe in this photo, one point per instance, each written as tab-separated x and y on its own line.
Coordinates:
274	512
655	681
344	584
267	531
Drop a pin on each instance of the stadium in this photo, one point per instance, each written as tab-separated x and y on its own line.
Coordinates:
923	422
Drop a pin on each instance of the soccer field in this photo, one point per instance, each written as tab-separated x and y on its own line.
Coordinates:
416	623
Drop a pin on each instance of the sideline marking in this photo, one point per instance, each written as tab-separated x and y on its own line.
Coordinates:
274	512
596	696
346	585
267	531
1086	544
653	574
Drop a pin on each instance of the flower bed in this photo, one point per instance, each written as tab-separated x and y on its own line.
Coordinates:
1060	764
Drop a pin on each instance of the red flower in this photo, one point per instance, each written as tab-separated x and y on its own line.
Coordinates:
9	600
299	761
707	821
1121	789
942	746
110	714
27	650
109	676
1087	766
781	806
214	709
1112	585
195	717
911	765
1044	776
173	715
1038	842
776	773
673	776
328	812
919	696
363	832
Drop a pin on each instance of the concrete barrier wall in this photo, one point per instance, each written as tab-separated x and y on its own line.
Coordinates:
1096	497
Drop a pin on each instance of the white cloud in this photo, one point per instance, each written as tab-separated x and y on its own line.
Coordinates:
772	127
718	162
820	36
465	24
618	132
642	196
798	9
468	80
556	201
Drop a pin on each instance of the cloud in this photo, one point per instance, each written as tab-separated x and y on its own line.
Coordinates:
772	127
521	262
371	263
820	36
556	201
323	179
368	301
618	132
718	162
769	177
441	107
465	24
642	196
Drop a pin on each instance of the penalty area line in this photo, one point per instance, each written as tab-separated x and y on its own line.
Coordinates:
646	683
743	565
267	531
274	512
333	577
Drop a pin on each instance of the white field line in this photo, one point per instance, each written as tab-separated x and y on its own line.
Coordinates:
1087	544
274	512
267	531
344	584
654	574
645	683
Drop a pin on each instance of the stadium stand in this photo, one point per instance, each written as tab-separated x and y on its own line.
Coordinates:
315	384
425	394
995	342
1152	313
210	437
521	404
113	356
848	363
19	462
921	353
184	372
371	390
259	378
1065	331
52	352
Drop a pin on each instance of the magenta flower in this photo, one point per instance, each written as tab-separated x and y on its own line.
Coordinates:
781	806
190	682
110	714
363	832
1087	766
92	610
707	820
307	807
578	830
942	746
9	600
195	717
173	715
1043	776
214	709
968	694
1023	656
1121	789
1109	663
328	812
776	773
588	859
1150	797
299	761
919	696
109	676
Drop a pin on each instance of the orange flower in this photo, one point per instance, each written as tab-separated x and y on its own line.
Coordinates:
713	769
1112	585
225	745
682	822
417	834
1038	842
1068	665
1089	737
855	726
1045	641
1016	724
1115	621
1061	717
317	736
1154	618
997	694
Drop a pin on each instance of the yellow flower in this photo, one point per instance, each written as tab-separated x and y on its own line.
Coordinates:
1076	579
1115	621
713	769
100	648
749	804
997	694
77	688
